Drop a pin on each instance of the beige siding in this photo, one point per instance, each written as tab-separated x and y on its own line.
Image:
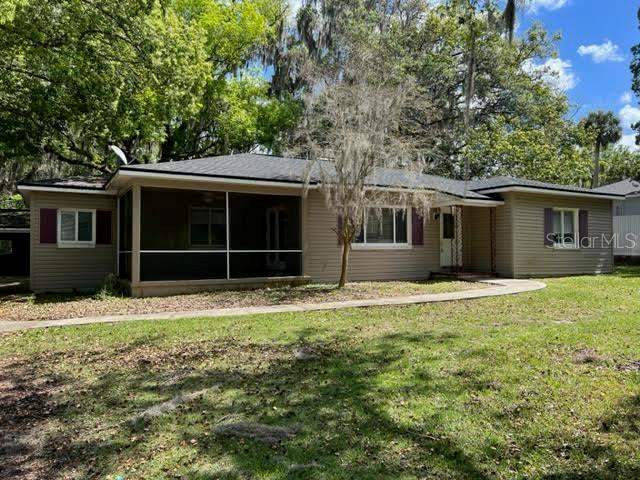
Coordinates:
322	253
504	238
67	269
532	258
476	239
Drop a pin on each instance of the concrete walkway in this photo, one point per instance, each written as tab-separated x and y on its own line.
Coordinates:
498	287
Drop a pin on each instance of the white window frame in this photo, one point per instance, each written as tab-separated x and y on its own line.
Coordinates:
364	245
576	229
207	245
76	243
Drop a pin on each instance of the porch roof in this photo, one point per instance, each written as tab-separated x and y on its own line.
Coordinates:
14	219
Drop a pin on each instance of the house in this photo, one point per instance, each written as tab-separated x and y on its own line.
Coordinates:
248	220
14	243
626	217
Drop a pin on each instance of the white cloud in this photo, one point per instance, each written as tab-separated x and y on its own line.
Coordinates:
629	141
535	5
626	97
605	52
629	115
556	72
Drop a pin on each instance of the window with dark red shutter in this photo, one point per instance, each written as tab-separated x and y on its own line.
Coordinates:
103	227
417	227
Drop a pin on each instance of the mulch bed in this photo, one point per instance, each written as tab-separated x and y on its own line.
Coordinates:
27	307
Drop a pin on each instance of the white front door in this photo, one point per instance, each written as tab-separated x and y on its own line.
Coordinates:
447	237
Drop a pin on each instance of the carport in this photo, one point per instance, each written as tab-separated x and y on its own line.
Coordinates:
14	243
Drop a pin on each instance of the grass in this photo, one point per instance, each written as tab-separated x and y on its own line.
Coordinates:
543	385
28	306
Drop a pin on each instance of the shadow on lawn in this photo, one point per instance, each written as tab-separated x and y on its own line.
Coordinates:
350	425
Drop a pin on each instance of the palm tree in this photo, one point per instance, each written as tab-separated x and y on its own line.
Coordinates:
509	18
606	130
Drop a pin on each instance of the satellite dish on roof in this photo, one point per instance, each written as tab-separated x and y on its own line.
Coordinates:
120	154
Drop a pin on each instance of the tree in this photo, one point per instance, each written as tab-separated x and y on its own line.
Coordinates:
635	79
619	163
355	124
604	127
161	79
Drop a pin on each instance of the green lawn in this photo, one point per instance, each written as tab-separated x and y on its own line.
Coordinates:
537	385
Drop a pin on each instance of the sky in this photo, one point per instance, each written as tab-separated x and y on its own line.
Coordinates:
593	54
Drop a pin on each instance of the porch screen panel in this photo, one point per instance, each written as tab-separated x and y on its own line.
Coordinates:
264	222
264	236
182	266
257	265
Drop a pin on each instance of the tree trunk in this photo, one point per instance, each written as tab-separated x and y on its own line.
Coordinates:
346	246
595	180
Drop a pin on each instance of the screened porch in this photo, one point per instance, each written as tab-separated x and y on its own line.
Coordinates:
192	235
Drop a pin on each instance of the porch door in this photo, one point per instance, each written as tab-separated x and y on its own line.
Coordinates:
447	237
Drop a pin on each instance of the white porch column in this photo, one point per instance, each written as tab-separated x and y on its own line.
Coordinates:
135	236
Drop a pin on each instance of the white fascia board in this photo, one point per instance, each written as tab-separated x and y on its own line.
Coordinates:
34	188
549	191
125	174
448	198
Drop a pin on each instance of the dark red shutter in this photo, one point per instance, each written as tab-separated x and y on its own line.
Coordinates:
548	227
48	225
417	227
339	229
583	227
103	227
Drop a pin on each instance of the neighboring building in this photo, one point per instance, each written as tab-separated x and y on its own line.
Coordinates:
14	243
626	216
246	219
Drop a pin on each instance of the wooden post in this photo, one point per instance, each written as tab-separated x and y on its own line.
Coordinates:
135	236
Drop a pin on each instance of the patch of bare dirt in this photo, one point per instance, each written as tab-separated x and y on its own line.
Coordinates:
170	405
26	404
633	366
259	432
588	356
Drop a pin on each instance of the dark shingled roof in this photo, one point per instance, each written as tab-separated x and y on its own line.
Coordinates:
506	181
627	186
14	218
85	183
247	166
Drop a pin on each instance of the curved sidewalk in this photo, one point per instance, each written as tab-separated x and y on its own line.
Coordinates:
498	287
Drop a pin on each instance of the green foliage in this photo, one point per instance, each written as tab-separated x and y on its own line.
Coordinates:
619	163
78	75
8	200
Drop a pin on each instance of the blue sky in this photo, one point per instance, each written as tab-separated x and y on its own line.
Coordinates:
594	53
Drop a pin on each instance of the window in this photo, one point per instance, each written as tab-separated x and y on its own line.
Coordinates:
76	227
208	227
6	247
565	226
384	227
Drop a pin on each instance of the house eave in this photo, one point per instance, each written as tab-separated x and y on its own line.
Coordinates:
550	191
51	188
126	174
